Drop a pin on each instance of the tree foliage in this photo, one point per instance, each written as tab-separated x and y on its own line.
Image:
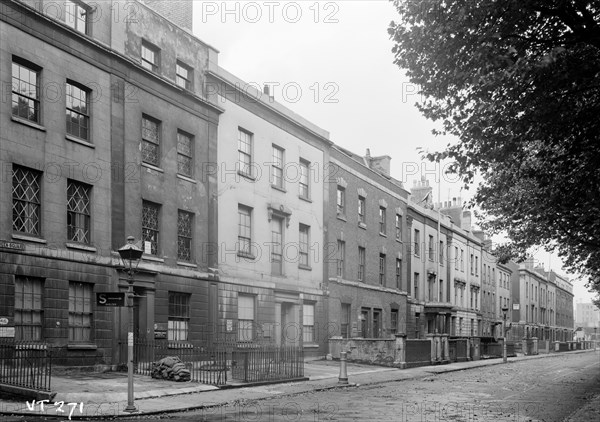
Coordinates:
518	83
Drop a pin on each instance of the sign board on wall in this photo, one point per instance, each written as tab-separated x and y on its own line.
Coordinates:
516	306
5	244
7	332
110	299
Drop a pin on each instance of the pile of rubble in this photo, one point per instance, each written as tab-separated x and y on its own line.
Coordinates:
170	368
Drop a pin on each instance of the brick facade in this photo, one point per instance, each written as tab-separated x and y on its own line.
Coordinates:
376	293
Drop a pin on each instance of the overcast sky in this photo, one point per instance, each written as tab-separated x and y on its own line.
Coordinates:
331	62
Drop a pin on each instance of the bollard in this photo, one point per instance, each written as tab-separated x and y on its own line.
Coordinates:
343	378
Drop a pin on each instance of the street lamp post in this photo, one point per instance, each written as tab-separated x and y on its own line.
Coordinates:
130	255
504	311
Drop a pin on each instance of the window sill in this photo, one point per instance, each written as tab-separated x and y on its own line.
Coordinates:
79	141
186	178
304	267
28	123
80	247
362	225
152	167
279	188
29	238
382	234
310	346
399	240
304	198
153	258
82	346
246	255
341	217
187	264
246	176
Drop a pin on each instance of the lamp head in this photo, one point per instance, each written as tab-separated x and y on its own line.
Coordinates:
130	254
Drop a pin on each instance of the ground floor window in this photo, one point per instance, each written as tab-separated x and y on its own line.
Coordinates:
179	316
245	318
28	308
394	321
345	321
308	323
80	312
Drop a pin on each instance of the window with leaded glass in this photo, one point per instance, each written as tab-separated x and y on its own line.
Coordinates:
150	141
150	56
28	308
308	323
150	227
183	75
276	246
185	227
304	179
179	317
382	269
78	211
277	167
80	312
341	258
361	263
304	236
362	210
245	152
25	90
245	317
398	227
76	16
26	195
185	154
382	218
78	110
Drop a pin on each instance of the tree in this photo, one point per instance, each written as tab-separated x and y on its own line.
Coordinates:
518	83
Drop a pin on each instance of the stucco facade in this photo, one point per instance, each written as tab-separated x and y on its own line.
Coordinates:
271	215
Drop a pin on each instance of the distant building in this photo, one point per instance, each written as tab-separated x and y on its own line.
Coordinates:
542	304
587	317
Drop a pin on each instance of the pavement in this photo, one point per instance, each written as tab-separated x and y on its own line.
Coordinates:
104	395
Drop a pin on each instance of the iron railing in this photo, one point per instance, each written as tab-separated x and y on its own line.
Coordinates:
206	365
255	363
25	364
